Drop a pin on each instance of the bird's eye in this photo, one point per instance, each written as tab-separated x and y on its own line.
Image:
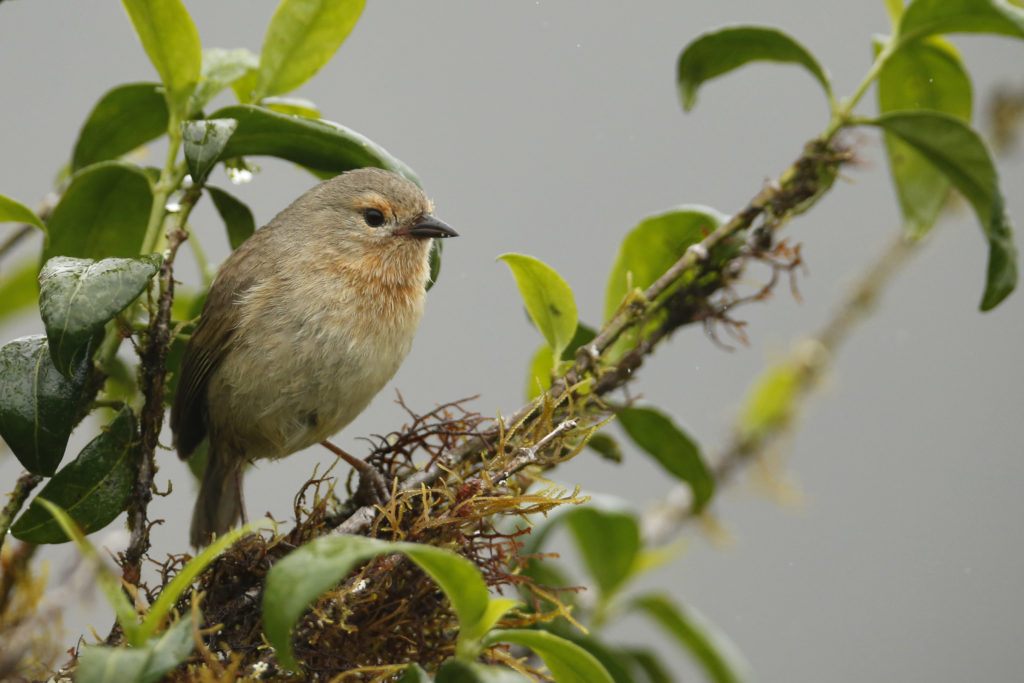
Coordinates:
373	218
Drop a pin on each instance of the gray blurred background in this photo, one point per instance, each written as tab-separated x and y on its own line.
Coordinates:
551	128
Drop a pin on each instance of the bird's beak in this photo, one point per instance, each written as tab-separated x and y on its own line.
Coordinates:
427	226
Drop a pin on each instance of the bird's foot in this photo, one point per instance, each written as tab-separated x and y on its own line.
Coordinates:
373	487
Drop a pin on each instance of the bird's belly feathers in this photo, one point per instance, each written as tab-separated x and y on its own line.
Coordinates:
321	363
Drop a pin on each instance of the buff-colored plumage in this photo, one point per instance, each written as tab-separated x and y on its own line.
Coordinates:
304	324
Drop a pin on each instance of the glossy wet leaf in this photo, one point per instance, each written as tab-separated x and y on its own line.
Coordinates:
147	664
292	105
93	488
170	39
672	448
124	119
38	405
16	212
237	217
653	246
548	298
204	141
302	37
928	17
958	152
719	658
19	286
220	69
609	542
78	296
103	212
324	147
305	574
924	75
719	52
567	662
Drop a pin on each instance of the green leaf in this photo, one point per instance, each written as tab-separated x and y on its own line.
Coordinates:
611	659
305	574
92	489
302	37
124	119
719	52
292	105
929	17
147	664
221	68
103	212
609	541
324	147
672	448
653	246
771	402
923	75
236	215
455	671
38	405
108	582
895	10
172	43
543	364
548	299
649	663
19	287
15	212
958	152
568	662
78	296
607	447
716	654
436	250
414	673
204	141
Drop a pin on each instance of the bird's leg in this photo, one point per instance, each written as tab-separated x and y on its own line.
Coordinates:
371	481
241	494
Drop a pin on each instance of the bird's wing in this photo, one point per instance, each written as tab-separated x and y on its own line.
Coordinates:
207	347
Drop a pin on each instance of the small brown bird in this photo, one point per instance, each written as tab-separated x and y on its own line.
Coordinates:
305	322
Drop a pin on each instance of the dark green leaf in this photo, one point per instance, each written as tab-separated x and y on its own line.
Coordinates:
297	580
541	366
124	119
19	287
15	212
928	17
716	654
454	671
672	448
104	212
172	43
719	52
147	664
302	37
607	446
38	405
78	296
204	141
609	542
93	488
322	146
220	69
548	299
958	152
653	246
926	74
568	662
612	660
236	215
436	249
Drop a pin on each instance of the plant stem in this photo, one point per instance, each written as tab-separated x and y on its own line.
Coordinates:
19	495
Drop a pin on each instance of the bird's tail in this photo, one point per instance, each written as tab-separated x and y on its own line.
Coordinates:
219	504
